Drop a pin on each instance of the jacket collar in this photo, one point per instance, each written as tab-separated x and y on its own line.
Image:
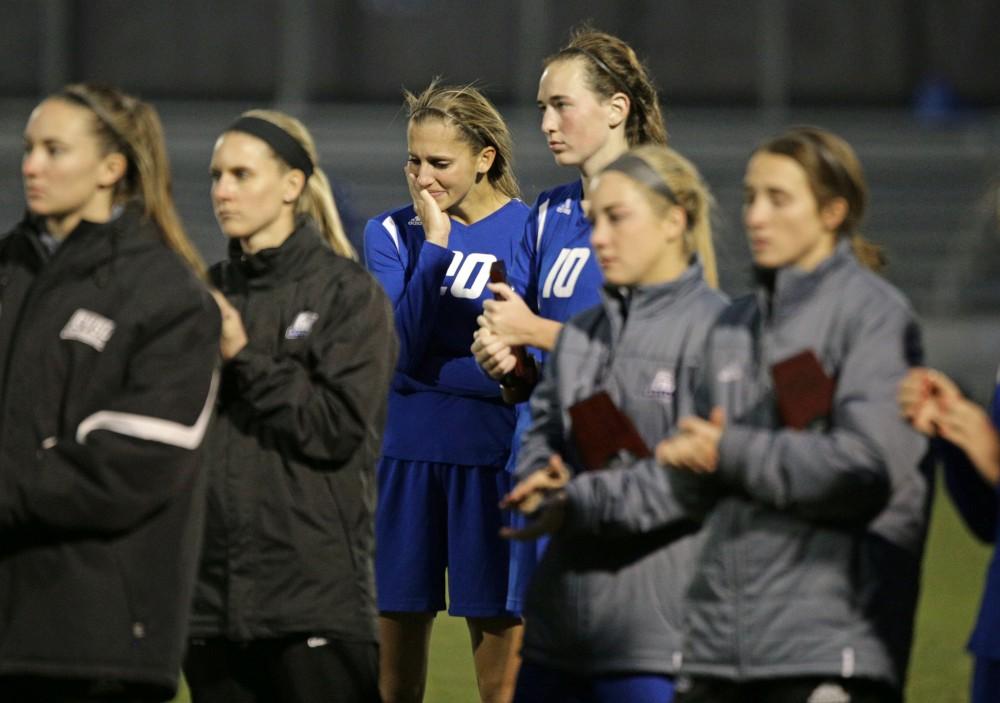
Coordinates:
641	302
91	244
291	260
792	286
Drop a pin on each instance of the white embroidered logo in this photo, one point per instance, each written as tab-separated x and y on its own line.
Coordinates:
829	693
566	208
302	325
88	327
314	642
730	373
663	385
415	221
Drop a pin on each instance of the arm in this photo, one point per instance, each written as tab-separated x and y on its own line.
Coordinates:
839	475
138	450
415	301
322	410
630	498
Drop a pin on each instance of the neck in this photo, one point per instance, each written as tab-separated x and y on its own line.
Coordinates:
271	237
615	146
98	212
483	200
668	269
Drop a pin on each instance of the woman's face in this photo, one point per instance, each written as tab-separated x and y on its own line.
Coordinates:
783	220
576	122
443	162
635	242
251	189
66	176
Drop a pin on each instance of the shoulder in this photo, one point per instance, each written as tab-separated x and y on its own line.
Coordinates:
870	296
394	219
572	191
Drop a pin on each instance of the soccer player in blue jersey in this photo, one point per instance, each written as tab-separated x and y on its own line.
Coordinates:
596	100
448	435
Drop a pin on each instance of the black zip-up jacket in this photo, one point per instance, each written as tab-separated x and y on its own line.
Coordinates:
289	538
108	350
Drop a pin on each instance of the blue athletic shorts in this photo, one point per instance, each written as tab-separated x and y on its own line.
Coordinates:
985	680
539	684
436	517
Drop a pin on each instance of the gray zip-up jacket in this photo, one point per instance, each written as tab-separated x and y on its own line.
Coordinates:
606	596
807	528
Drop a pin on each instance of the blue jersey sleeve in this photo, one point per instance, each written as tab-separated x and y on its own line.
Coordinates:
977	501
415	297
522	273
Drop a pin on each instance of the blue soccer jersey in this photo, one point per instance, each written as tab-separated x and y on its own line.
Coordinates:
442	408
555	269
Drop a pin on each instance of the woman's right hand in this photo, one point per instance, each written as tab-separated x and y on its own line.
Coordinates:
527	496
437	224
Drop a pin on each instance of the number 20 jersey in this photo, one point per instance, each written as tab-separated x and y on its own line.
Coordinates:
442	407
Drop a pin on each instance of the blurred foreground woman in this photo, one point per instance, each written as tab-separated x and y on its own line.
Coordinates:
108	345
605	609
816	504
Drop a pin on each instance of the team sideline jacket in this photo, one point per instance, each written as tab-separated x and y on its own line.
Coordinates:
108	349
291	457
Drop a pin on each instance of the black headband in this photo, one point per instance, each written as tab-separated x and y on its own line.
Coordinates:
283	143
638	170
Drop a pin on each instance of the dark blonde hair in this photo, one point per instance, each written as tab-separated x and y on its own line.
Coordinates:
316	200
126	125
612	66
478	122
690	193
833	171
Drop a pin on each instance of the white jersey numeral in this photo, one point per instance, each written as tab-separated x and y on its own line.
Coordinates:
564	273
463	270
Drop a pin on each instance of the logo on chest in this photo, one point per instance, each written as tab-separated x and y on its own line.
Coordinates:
88	327
302	325
662	386
566	208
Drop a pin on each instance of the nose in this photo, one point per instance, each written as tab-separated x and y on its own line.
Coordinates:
754	213
599	234
221	188
425	175
548	120
31	162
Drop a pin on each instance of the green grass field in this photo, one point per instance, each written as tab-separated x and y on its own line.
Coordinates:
953	574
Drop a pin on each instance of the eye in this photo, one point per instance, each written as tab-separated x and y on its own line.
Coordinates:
413	161
440	164
241	174
215	174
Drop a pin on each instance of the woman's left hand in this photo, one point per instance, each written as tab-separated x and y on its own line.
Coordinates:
234	334
696	446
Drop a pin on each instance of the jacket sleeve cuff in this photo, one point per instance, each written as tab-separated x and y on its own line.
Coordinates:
735	454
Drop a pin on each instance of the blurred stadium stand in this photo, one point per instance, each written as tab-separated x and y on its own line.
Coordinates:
911	83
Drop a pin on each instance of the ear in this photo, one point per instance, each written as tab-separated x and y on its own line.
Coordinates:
833	214
292	184
484	162
619	106
111	169
674	224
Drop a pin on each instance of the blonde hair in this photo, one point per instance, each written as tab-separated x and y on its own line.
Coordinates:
833	171
612	66
316	199
476	119
691	193
126	125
